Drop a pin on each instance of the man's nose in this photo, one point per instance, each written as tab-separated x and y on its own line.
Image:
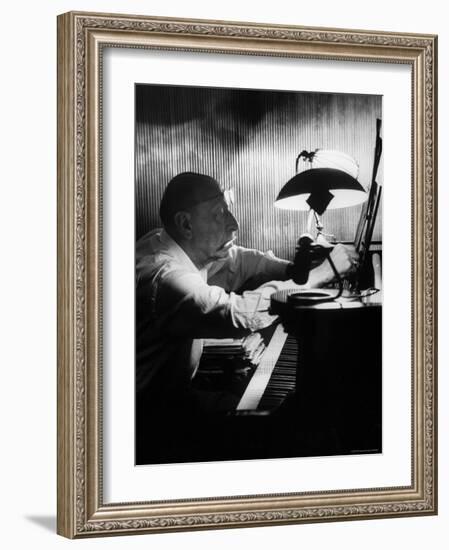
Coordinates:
232	223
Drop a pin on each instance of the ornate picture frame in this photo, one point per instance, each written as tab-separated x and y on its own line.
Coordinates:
82	509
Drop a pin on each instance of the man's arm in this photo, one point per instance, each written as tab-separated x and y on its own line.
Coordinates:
248	268
188	306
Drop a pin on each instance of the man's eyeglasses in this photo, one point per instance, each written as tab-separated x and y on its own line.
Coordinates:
228	195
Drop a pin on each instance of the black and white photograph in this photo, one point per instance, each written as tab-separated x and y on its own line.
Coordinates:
247	275
258	269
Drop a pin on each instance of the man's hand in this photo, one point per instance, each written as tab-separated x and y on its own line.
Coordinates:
345	259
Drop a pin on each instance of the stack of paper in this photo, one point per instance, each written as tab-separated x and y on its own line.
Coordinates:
240	354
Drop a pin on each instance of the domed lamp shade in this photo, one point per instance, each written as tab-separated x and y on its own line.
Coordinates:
320	189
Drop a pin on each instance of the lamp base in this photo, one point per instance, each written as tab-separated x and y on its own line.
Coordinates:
311	297
288	300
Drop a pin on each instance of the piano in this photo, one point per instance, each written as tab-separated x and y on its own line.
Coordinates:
318	388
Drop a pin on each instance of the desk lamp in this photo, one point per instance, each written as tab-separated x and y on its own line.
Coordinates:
329	183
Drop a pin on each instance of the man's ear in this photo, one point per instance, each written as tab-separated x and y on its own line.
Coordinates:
183	224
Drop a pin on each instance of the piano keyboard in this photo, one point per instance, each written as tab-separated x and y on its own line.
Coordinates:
283	379
275	376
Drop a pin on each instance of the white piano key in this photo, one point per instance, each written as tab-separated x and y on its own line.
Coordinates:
261	376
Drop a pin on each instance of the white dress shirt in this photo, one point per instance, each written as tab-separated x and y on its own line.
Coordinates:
177	305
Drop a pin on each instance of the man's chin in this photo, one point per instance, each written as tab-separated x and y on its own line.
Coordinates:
222	254
224	250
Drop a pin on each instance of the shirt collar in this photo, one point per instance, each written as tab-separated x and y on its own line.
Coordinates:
179	254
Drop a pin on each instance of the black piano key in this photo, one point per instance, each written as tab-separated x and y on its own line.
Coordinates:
283	378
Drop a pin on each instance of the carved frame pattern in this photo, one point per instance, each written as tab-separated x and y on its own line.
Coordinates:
81	511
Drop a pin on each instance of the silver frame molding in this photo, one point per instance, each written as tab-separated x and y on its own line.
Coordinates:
81	37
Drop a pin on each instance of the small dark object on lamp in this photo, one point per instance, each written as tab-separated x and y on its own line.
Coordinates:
308	255
319	200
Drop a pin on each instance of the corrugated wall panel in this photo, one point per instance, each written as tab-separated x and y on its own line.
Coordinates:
249	141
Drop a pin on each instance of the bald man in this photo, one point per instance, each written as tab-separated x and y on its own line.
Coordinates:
188	277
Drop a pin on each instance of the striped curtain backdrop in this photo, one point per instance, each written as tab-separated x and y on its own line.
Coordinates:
249	140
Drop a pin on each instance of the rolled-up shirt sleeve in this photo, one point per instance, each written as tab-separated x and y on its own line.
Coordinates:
188	306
